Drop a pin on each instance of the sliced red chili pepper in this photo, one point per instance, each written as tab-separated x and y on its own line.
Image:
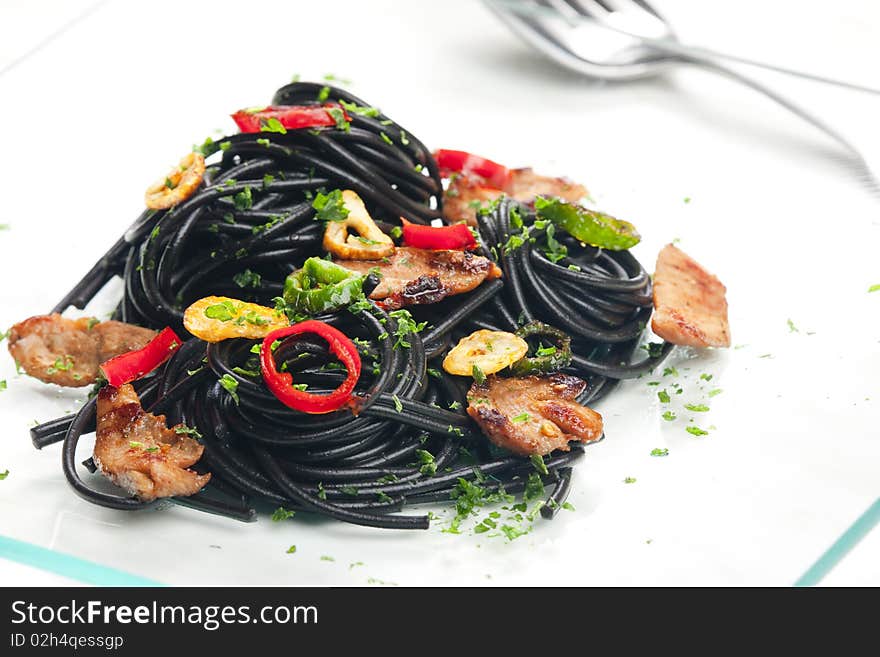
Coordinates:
456	237
281	383
134	365
291	117
496	175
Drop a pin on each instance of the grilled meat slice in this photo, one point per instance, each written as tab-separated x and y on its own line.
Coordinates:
533	414
690	307
68	352
418	276
138	452
466	193
464	196
525	185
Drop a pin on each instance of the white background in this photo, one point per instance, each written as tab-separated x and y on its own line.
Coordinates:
90	116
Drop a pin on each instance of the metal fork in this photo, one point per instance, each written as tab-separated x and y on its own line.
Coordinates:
628	39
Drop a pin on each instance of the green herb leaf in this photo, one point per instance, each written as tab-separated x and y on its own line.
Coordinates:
184	430
696	431
697	408
406	325
339	117
660	451
291	549
244	199
206	148
654	349
330	206
538	461
629	480
477	374
4	474
354	108
247	278
272	125
534	487
428	465
282	514
663	396
669	416
522	417
513	532
398	405
231	386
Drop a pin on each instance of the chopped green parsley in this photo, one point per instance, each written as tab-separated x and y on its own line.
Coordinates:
538	462
330	206
427	466
231	385
272	125
247	278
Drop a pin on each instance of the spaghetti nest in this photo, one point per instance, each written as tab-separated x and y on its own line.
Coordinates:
410	441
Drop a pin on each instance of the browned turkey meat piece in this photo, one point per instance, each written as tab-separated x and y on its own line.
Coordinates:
533	414
465	194
417	276
690	307
68	352
138	452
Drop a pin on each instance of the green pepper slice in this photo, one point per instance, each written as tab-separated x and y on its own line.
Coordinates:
588	226
321	286
546	359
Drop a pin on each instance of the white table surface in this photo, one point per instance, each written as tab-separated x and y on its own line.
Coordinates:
93	111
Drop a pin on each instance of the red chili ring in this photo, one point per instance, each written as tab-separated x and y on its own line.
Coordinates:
280	383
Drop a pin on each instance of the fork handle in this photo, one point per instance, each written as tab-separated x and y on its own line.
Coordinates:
701	54
831	120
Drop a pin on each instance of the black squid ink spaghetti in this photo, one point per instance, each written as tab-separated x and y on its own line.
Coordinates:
410	432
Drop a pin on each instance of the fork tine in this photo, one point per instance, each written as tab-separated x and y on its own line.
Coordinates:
564	8
588	8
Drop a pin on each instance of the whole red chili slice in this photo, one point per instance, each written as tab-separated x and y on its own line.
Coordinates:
281	383
134	365
496	175
456	237
291	117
